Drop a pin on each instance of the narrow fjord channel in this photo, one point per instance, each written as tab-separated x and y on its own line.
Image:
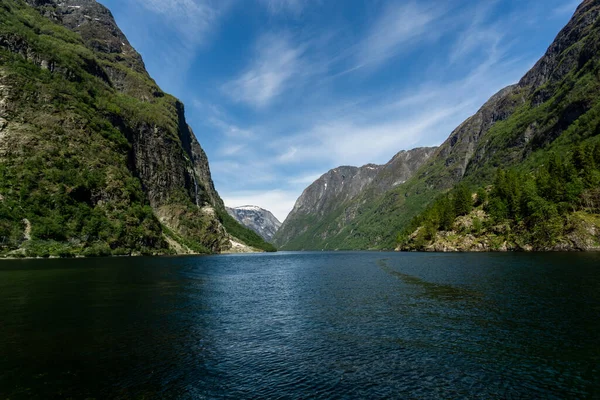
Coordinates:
302	325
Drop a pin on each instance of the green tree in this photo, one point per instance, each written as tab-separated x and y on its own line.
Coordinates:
462	199
445	213
482	196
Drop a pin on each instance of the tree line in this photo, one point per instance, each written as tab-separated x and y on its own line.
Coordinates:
535	205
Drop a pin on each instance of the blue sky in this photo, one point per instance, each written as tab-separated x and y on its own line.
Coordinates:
280	91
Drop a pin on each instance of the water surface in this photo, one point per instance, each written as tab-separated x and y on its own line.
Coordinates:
302	325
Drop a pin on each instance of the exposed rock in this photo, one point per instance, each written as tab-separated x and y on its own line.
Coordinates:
146	141
258	219
504	132
337	196
27	232
584	235
238	247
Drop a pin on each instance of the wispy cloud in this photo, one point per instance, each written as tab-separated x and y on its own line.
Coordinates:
194	20
231	130
277	62
353	141
305	179
568	8
287	6
374	129
398	26
306	125
481	34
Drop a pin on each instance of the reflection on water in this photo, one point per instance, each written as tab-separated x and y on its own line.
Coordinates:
302	325
434	290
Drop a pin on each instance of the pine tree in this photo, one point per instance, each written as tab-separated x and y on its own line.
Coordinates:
482	196
463	201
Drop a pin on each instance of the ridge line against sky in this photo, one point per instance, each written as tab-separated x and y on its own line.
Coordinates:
280	91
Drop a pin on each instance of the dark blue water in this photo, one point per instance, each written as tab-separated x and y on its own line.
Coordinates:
310	325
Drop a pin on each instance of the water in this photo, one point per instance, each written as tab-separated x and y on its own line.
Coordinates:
311	325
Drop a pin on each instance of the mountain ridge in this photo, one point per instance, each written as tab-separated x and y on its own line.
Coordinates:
552	108
330	203
94	157
261	221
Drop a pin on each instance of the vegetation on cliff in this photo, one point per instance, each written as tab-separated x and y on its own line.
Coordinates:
94	158
556	206
248	236
554	109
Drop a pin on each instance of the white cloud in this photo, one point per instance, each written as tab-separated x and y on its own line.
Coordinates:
398	26
361	132
192	19
279	202
481	36
231	130
243	171
373	130
280	6
231	150
291	149
277	62
567	8
305	179
350	141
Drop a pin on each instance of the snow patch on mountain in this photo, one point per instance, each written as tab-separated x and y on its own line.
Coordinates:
256	218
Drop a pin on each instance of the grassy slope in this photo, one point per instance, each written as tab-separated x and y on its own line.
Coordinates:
554	207
570	116
66	172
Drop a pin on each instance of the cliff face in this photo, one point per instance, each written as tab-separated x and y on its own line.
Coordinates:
333	201
554	108
258	219
87	136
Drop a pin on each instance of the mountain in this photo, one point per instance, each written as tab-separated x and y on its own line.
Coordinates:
258	219
553	109
95	158
325	210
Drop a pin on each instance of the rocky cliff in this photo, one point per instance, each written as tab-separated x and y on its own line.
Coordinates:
553	109
94	157
258	219
329	205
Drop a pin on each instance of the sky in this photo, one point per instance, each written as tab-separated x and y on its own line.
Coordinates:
278	92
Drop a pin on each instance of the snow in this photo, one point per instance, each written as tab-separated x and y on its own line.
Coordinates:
249	208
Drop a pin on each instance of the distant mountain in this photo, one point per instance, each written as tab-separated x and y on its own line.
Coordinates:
328	207
553	110
95	159
258	219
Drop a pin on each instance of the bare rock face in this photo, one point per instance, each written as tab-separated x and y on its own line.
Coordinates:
258	219
95	23
469	146
513	124
332	201
144	144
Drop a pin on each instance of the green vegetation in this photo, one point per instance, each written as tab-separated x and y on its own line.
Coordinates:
246	235
66	176
529	125
68	186
535	209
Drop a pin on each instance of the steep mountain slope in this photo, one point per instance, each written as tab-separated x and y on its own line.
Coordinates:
258	219
94	157
332	202
555	107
